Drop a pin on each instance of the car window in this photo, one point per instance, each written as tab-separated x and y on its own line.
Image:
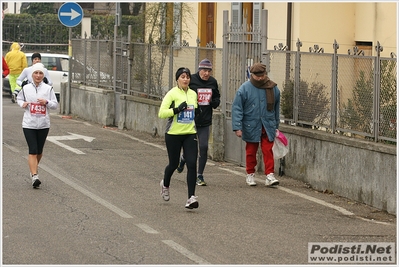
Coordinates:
50	63
64	64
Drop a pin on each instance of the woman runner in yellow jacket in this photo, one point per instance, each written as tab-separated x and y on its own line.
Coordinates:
179	107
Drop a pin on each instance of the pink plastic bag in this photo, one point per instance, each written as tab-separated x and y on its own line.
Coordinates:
282	137
279	149
280	145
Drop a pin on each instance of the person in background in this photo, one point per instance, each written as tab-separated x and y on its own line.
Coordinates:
179	106
207	90
5	68
16	61
26	76
255	119
36	98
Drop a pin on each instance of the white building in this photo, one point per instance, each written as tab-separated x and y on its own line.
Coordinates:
11	7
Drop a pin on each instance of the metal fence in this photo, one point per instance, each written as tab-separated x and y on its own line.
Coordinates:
345	94
142	69
352	95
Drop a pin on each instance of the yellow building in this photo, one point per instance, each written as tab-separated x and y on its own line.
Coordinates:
351	24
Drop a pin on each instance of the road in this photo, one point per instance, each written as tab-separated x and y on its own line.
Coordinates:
99	203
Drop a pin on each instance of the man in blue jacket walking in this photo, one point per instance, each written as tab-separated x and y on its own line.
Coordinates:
255	119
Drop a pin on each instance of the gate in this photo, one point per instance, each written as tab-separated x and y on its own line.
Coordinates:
243	46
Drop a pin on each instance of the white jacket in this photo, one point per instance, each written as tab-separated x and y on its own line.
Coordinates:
30	93
27	74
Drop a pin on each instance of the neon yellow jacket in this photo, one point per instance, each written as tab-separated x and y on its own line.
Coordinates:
16	60
176	124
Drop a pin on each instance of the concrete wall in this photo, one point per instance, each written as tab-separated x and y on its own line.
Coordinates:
354	168
88	103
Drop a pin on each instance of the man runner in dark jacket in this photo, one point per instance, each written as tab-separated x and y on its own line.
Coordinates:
207	90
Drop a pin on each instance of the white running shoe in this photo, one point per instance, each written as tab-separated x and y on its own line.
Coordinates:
271	180
192	203
164	191
251	179
35	181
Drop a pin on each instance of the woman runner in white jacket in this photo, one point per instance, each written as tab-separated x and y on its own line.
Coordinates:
37	98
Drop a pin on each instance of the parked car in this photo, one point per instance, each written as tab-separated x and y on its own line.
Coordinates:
58	68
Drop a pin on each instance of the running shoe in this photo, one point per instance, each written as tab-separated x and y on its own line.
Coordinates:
271	180
200	180
192	203
164	191
35	181
251	179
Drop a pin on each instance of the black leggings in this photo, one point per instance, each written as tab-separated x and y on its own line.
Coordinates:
35	139
203	140
174	144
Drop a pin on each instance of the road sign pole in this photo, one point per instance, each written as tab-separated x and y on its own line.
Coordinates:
69	70
70	14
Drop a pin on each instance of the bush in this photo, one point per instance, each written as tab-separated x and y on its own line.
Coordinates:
312	102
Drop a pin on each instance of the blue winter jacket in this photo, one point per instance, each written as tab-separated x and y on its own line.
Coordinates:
249	113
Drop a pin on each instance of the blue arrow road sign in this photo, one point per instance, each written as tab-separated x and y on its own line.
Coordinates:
70	14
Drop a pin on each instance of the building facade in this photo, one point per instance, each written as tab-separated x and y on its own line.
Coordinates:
360	24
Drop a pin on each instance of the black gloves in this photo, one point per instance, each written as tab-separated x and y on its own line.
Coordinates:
45	80
25	82
181	107
215	103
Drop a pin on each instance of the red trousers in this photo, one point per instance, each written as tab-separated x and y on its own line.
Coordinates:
267	152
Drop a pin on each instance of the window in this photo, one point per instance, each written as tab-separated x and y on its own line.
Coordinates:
250	12
50	63
246	15
64	64
366	47
88	6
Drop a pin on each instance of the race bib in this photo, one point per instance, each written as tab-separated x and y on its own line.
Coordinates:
187	115
204	96
37	109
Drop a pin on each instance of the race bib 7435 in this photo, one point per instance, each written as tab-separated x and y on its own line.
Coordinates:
37	109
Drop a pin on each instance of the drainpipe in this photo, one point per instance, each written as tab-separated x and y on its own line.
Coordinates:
288	42
289	26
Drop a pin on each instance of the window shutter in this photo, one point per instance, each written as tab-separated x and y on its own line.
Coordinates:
257	7
236	14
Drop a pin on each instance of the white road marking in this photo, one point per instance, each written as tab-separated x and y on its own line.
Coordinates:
13	149
146	228
86	192
72	136
142	141
185	252
318	201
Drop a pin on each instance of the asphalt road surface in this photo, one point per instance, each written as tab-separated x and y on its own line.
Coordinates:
99	203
